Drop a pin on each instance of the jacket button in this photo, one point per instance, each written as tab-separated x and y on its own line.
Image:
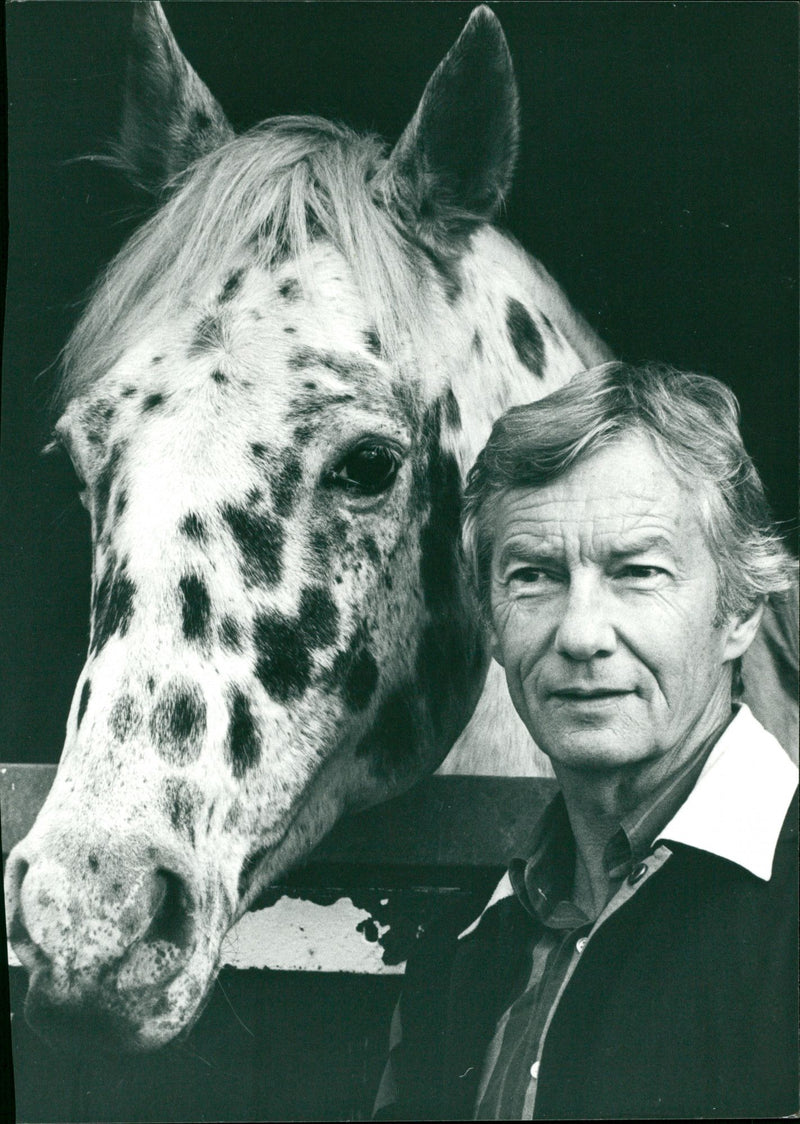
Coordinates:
535	1070
581	944
638	873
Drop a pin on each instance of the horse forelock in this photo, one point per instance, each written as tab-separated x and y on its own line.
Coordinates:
266	196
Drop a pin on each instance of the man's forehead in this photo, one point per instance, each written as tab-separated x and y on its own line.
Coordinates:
623	497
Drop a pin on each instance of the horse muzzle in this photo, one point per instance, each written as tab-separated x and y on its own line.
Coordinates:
110	935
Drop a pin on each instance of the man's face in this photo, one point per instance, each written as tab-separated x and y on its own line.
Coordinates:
603	596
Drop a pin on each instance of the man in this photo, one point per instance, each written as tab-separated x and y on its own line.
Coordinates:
641	959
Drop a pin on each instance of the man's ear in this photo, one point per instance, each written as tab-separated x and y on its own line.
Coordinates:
741	632
495	646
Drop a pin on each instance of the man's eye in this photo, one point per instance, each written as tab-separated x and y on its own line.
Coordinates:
527	574
641	573
531	577
366	470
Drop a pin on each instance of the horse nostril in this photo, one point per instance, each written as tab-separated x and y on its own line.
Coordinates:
172	919
15	875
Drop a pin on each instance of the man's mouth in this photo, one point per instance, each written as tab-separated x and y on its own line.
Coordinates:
588	693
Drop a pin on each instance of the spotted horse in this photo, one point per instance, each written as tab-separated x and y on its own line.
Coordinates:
272	400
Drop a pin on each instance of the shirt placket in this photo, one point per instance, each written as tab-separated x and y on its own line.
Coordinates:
637	878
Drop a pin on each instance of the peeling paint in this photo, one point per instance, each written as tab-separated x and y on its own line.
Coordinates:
294	935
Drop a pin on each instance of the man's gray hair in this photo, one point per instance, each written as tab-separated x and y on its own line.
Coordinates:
692	420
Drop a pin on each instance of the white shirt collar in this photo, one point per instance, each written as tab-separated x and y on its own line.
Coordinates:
735	810
738	805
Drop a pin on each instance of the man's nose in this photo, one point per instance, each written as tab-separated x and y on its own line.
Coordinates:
586	627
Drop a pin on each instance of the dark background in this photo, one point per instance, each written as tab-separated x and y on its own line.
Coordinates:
657	181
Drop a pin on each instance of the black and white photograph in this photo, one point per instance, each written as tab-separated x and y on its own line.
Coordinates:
398	561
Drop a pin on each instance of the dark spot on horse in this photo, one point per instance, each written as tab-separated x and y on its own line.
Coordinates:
260	541
231	286
104	481
338	531
347	366
152	401
207	335
195	607
94	863
547	322
447	269
178	723
290	289
391	742
285	483
301	358
182	800
86	691
406	398
128	391
284	646
525	336
250	869
306	406
218	376
371	549
232	817
477	343
450	653
193	527
320	547
258	449
439	537
318	621
107	412
244	747
121	504
151	684
94	437
373	342
253	497
156	360
200	121
125	717
290	330
309	385
303	433
361	680
452	411
113	608
230	633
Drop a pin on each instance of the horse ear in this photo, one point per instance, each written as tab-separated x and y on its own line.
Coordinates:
169	118
455	160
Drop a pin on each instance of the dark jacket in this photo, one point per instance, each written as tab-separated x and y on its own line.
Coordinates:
684	1004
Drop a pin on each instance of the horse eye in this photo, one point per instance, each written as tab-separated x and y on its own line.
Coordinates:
367	470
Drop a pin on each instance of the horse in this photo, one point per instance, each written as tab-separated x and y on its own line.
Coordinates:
272	400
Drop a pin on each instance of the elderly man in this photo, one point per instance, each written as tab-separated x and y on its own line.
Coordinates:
641	959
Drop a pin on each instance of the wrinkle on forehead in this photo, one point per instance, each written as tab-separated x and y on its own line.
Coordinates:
611	503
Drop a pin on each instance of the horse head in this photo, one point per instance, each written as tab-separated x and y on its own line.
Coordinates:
271	401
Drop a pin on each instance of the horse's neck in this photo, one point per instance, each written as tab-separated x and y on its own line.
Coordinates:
495	742
491	377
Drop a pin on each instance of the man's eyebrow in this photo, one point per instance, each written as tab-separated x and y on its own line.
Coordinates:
640	544
517	551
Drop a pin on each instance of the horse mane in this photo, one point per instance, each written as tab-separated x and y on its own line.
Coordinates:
274	189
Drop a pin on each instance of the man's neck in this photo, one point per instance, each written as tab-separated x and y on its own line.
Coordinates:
599	801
